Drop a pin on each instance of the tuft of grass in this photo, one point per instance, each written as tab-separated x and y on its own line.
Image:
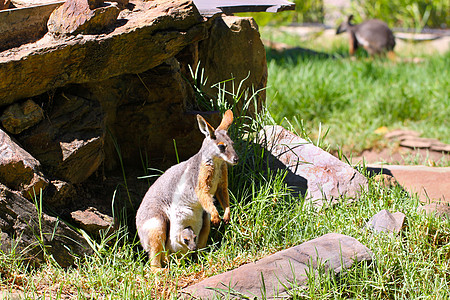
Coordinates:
352	98
266	217
404	13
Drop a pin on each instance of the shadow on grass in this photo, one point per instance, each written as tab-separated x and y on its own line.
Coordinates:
283	52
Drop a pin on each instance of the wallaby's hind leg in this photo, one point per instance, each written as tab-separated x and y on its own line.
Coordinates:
156	239
204	232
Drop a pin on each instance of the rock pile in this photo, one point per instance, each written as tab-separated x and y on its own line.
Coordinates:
108	85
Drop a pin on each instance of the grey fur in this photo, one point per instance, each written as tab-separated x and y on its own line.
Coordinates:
171	204
374	35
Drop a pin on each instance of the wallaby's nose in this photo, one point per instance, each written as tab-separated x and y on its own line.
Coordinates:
235	160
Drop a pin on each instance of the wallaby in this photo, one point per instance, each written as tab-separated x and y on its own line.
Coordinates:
180	242
188	239
183	196
185	240
374	35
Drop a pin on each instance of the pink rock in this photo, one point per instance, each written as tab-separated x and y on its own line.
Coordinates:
384	221
429	183
400	134
92	220
310	168
274	274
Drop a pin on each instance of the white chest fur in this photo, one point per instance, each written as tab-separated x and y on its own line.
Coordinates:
184	211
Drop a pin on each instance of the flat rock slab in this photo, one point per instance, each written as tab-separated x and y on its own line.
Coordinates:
24	25
152	31
430	183
274	274
323	176
387	222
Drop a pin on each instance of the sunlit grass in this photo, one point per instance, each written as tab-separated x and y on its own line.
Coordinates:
355	97
266	217
352	99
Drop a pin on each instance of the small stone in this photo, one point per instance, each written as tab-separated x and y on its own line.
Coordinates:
386	222
401	134
19	117
92	221
36	186
439	210
418	142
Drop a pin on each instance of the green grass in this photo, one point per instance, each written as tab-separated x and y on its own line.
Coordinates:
352	98
266	217
396	13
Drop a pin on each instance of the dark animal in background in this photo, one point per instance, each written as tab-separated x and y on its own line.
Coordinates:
373	35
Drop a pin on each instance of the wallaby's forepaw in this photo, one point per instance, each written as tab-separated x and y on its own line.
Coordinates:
226	220
215	220
226	216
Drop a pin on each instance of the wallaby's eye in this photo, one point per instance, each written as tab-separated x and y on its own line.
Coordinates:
186	241
222	146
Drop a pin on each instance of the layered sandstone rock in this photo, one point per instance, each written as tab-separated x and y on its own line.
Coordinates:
109	94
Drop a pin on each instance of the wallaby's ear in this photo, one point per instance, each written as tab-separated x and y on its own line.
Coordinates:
227	120
350	18
205	128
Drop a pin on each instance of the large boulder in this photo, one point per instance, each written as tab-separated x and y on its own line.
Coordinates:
145	113
33	234
137	71
234	50
18	169
119	97
311	170
69	142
